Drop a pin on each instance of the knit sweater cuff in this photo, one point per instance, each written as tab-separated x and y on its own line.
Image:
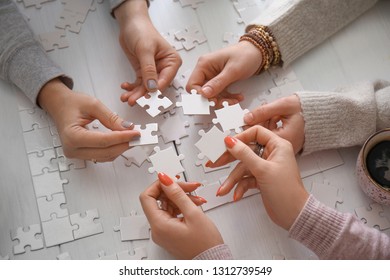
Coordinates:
219	252
30	69
317	227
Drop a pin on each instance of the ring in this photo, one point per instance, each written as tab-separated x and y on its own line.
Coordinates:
259	150
94	160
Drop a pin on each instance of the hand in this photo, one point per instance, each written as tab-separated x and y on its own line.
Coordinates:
276	174
184	237
288	111
214	72
72	111
154	60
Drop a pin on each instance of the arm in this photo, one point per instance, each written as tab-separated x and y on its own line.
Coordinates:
334	235
23	62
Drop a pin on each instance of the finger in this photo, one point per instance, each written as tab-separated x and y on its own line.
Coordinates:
176	194
167	74
234	177
148	199
148	71
135	94
243	186
217	84
282	106
98	154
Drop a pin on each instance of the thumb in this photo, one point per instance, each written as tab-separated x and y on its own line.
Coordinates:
149	72
217	84
176	194
110	119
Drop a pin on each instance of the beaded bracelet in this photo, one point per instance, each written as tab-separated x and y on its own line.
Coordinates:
262	38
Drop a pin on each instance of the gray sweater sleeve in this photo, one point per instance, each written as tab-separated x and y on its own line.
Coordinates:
346	116
300	25
23	62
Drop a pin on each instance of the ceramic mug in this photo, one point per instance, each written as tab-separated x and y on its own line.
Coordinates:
371	187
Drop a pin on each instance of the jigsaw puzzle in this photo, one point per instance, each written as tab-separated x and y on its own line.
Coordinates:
148	135
85	225
65	164
211	144
373	216
33	119
180	81
29	237
38	140
52	208
195	104
326	193
137	155
171	39
193	3
230	38
57	231
189	36
166	161
64	256
38	164
154	102
230	117
173	128
133	227
53	39
74	14
138	254
36	3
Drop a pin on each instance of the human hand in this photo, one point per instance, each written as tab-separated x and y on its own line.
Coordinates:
275	174
154	60
185	236
72	111
288	111
215	71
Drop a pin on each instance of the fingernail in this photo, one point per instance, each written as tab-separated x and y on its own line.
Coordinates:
218	191
127	124
195	184
230	141
207	91
165	179
152	85
234	197
248	118
177	177
201	199
208	163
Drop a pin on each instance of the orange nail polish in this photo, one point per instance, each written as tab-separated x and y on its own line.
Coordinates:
208	163
165	179
230	141
218	191
203	200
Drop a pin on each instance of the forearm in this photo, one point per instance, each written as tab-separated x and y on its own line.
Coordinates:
133	7
300	25
334	235
345	117
23	62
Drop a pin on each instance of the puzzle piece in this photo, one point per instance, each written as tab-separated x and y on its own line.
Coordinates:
50	40
193	3
166	161
171	39
86	225
195	104
74	14
6	257
282	76
154	102
64	256
147	135
139	254
49	208
230	117
230	38
103	256
39	163
327	194
133	227
318	162
180	81
208	169
137	155
190	35
33	119
36	3
65	163
209	193
211	144
173	128
38	140
31	236
57	231
372	216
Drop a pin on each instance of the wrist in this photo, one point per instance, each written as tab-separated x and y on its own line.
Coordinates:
52	96
132	10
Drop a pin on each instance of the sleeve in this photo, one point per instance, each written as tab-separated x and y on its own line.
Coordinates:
334	235
116	3
220	252
299	25
23	62
345	117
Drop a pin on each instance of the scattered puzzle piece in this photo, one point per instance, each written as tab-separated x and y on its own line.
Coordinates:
166	161
133	227
180	81
74	14
154	102
30	237
195	104
86	225
57	231
147	135
49	208
230	117
171	39
372	216
50	40
211	144
173	128
190	35
137	155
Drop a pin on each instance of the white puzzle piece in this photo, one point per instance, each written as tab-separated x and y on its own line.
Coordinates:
85	225
64	256
171	39
103	256
38	140
180	81
137	155
148	135
49	209
154	102
230	117
372	216
166	161
29	237
57	231
173	128
209	193
134	227
53	39
6	257
195	104
74	14
138	254
33	119
327	194
65	164
36	3
189	36
206	169
193	3
211	144
230	38
39	163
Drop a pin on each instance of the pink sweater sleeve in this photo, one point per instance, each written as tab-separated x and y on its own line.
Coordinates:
220	252
334	235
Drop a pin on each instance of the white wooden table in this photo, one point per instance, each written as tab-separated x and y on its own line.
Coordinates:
97	64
